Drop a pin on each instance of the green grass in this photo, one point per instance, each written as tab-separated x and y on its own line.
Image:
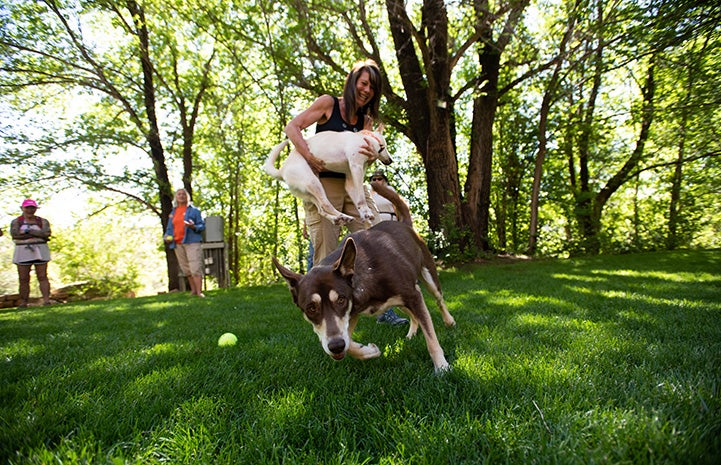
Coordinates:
600	360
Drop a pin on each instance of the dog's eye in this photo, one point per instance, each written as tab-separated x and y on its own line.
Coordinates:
341	301
311	308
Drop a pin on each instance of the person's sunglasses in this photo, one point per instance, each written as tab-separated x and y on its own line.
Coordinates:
376	179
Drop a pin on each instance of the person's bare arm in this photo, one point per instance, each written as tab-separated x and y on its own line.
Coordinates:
318	111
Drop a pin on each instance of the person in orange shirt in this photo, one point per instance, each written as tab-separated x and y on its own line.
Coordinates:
183	234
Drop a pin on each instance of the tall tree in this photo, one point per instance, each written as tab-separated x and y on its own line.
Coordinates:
428	104
430	50
485	104
54	45
629	37
549	95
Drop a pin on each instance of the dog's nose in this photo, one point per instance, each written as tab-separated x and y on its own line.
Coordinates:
336	345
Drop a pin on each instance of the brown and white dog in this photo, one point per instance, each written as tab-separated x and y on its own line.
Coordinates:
371	271
340	152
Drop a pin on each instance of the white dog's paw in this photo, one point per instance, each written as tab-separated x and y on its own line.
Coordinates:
342	219
366	214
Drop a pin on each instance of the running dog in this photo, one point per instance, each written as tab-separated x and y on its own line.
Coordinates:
370	271
340	152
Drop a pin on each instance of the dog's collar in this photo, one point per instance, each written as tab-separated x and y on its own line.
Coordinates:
381	147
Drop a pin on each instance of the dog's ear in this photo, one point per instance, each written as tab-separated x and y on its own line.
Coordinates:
346	263
380	128
291	277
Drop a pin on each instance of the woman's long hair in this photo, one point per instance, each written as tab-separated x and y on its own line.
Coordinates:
349	90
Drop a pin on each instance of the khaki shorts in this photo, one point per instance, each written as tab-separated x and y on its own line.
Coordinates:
190	258
323	233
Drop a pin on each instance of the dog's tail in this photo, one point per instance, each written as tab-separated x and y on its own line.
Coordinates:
402	210
269	166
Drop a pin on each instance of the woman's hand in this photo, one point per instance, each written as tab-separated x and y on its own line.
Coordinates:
316	164
367	150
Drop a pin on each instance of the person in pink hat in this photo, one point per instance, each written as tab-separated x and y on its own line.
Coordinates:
30	233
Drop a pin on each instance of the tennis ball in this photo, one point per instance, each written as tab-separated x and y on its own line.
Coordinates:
227	340
168	238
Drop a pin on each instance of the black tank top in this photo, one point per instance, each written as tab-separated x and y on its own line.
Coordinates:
337	123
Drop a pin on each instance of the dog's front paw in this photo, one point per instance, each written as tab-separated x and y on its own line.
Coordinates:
439	362
364	352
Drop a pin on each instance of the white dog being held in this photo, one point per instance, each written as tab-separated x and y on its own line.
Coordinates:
341	153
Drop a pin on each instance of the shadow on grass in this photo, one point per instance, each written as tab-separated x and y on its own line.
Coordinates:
601	359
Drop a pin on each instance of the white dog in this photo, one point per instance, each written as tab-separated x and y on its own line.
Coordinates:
340	152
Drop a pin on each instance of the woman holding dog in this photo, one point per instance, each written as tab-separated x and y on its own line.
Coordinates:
355	111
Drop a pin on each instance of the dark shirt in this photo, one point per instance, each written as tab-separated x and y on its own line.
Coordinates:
337	123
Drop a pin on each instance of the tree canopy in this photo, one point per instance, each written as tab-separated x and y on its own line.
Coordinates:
540	127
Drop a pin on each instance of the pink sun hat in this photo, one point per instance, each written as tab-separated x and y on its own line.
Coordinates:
29	203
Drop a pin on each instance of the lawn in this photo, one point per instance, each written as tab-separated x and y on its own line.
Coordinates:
613	359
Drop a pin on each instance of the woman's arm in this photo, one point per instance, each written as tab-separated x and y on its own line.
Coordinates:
15	231
45	231
317	112
198	222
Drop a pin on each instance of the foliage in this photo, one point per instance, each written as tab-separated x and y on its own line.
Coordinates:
103	265
228	75
596	360
445	246
142	89
111	253
8	272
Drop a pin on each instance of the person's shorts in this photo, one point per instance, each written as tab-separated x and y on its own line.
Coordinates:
31	254
190	258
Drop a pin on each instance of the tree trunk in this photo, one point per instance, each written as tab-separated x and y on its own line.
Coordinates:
501	209
672	239
428	107
188	121
444	200
234	219
584	208
548	97
674	208
480	162
157	153
477	189
624	174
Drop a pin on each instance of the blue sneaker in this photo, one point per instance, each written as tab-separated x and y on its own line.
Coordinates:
390	317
